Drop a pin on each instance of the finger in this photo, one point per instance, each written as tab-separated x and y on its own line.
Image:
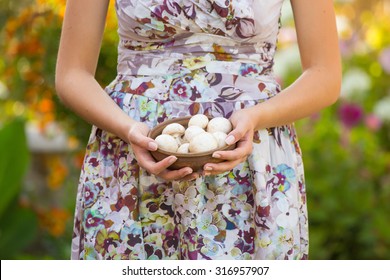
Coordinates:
172	175
138	138
146	161
144	158
244	148
191	177
235	135
217	168
235	154
157	168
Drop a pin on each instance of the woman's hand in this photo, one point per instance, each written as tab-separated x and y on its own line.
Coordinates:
242	134
141	144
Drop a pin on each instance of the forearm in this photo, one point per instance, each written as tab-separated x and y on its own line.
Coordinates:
314	90
79	91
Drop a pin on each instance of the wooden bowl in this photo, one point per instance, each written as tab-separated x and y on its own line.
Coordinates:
194	160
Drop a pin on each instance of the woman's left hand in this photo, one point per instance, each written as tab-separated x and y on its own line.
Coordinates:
242	134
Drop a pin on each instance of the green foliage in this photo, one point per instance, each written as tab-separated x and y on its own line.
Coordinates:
348	191
13	161
347	167
10	8
18	224
19	228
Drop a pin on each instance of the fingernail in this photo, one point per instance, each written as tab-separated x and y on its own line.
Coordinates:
194	177
230	140
209	168
187	172
172	159
216	155
207	173
152	146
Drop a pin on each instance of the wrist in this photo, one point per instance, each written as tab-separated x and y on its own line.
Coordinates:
124	128
261	115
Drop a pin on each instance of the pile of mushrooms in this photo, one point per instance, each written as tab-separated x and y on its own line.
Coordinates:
201	135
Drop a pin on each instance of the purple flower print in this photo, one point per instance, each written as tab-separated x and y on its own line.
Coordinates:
108	148
245	28
90	193
92	219
221	8
249	236
171	244
106	241
182	89
189	11
152	252
169	6
283	177
247	69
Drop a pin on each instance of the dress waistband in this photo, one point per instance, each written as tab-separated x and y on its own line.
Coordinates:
254	60
191	70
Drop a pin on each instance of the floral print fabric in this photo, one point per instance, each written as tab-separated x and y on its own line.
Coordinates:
187	57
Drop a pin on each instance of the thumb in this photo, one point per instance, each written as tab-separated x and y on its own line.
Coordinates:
235	135
139	139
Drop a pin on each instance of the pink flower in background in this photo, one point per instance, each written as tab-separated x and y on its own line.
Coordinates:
350	114
384	59
373	122
315	117
287	35
348	46
345	48
279	80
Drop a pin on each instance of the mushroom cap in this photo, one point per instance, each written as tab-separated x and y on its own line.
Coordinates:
199	120
183	149
203	142
180	140
219	124
166	142
220	137
174	129
192	131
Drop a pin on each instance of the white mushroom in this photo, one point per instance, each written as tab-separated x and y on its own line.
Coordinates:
202	143
174	129
199	120
178	140
219	124
192	131
183	140
167	143
183	149
220	137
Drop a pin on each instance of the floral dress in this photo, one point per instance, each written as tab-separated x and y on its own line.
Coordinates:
181	57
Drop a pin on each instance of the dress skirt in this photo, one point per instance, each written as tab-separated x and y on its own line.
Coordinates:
255	211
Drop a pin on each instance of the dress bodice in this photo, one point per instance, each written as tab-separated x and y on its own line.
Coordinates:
155	34
162	20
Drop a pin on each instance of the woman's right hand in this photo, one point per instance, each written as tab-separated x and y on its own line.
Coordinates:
141	144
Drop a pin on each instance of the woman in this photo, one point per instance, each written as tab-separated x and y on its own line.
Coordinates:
187	57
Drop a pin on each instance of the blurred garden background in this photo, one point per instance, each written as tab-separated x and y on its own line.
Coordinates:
346	147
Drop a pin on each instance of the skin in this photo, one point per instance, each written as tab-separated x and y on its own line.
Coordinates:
314	90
